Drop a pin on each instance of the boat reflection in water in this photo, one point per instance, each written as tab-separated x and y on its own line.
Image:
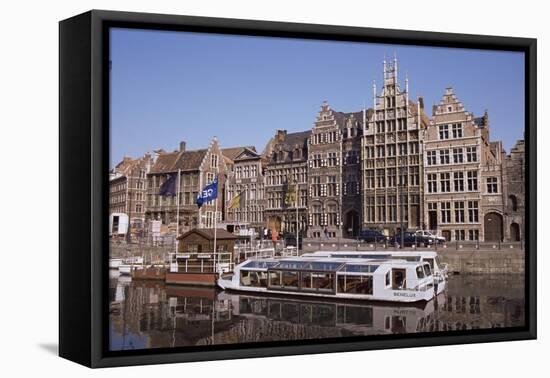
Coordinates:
149	314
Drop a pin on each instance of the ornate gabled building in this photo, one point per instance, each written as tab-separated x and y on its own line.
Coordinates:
245	191
463	174
197	168
391	158
286	185
334	174
127	189
514	186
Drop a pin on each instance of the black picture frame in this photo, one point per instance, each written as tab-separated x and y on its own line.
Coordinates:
83	180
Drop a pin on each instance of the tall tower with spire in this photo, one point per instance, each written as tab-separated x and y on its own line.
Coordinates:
391	157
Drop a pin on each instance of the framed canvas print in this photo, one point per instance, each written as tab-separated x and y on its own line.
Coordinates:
235	188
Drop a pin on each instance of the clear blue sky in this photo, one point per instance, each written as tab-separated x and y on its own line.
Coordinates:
172	86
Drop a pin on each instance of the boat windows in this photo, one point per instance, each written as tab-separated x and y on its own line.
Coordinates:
430	261
388	279
260	264
398	278
360	268
420	272
318	281
253	278
427	270
283	279
351	284
309	265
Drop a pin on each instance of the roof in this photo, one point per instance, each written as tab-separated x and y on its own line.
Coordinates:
293	139
233	152
164	162
208	233
184	160
190	160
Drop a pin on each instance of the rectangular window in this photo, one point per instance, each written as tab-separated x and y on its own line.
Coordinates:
355	284
392	177
402	149
381	208
458	157
459	212
432	158
370	179
392	207
380	178
214	161
445	212
444	132
432	183
460	235
370	209
445	182
472	181
414	176
471	154
492	185
473	234
391	149
457	130
473	211
444	157
459	181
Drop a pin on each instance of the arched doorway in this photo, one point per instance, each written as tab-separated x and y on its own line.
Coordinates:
493	227
351	224
514	232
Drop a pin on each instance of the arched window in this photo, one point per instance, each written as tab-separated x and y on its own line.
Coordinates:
513	201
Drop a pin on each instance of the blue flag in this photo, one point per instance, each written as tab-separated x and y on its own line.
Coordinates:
209	193
168	188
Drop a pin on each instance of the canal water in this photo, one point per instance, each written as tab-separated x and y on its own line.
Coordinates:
150	314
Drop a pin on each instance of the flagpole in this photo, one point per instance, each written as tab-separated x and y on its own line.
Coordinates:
178	209
216	219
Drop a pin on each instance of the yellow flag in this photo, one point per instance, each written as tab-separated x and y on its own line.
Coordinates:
235	203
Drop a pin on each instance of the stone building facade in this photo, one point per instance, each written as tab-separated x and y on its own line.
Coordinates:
197	168
245	191
334	174
462	174
286	170
514	185
391	158
128	187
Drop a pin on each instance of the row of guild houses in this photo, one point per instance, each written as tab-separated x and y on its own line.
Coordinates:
386	167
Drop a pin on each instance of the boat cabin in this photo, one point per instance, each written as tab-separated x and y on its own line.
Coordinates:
347	278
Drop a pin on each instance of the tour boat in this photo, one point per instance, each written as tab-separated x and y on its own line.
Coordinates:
393	280
440	270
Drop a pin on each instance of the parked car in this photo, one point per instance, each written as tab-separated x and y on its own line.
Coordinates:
411	238
290	240
372	236
435	238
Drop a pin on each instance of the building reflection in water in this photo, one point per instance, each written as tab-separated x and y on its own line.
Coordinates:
149	314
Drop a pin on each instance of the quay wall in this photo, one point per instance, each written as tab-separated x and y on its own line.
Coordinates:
461	258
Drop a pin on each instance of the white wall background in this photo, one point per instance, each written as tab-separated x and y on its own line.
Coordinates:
29	185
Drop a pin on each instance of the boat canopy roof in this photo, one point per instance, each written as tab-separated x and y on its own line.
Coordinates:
333	265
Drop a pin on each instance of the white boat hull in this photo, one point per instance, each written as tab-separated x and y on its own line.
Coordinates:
402	296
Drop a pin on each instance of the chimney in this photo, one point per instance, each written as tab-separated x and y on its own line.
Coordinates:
281	135
421	102
182	146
